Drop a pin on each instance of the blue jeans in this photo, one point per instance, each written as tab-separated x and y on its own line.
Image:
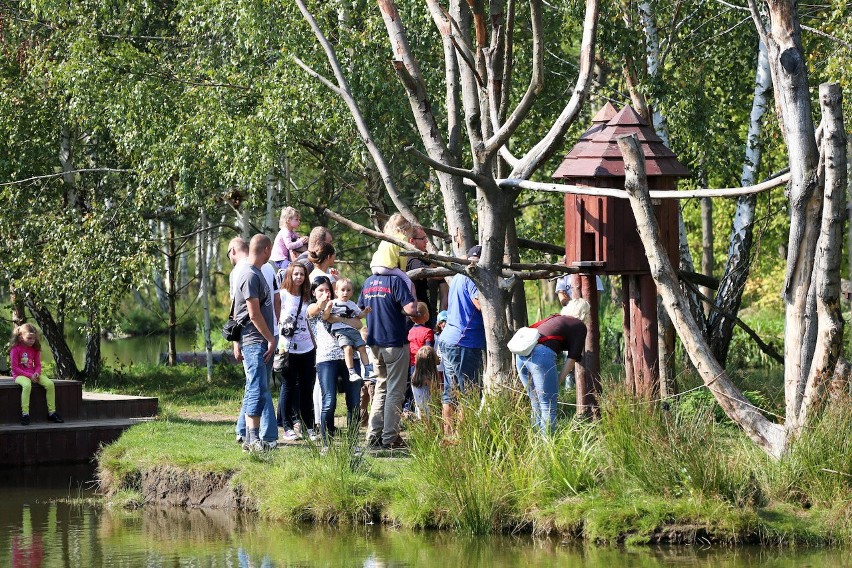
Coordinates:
538	373
257	400
328	373
462	370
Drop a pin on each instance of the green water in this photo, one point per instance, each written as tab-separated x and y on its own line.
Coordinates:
118	352
38	530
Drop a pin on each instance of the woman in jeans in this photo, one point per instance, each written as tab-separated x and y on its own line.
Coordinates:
330	363
537	370
297	384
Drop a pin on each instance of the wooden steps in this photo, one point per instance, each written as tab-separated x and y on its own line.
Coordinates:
91	420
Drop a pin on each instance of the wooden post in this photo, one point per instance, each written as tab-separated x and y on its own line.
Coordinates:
592	355
626	285
649	337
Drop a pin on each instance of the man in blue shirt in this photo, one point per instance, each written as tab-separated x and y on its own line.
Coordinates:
387	337
462	342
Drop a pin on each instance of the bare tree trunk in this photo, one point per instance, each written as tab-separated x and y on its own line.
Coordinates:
787	62
171	292
767	435
828	252
93	364
159	230
205	296
493	209
707	246
731	286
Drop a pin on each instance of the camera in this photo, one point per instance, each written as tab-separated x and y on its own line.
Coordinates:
288	326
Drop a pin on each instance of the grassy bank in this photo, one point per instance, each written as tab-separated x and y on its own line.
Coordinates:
639	474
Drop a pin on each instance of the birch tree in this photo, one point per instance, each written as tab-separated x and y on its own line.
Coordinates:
474	37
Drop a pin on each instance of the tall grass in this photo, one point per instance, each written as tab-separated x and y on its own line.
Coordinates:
671	451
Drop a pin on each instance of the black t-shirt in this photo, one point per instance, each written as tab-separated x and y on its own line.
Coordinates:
571	330
421	285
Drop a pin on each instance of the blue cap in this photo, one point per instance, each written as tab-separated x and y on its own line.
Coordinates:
442	316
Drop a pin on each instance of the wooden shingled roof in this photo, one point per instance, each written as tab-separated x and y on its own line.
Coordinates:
596	153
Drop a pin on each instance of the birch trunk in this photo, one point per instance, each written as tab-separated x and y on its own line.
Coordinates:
66	161
828	251
731	286
270	220
652	58
205	296
159	231
787	62
171	292
766	434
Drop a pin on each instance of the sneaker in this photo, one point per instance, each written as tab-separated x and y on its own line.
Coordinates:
312	435
245	446
270	446
54	417
256	447
353	376
324	450
240	439
290	435
25	419
397	444
373	444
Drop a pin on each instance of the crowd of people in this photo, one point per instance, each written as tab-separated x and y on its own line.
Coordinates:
385	352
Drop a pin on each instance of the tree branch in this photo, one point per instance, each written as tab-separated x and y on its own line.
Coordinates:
501	136
547	146
345	92
655	194
441	167
64	173
331	86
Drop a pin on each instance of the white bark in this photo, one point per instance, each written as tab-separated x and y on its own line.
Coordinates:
789	73
766	434
545	148
737	267
828	251
205	297
343	90
652	58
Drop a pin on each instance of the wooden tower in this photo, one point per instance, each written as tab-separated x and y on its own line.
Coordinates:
601	238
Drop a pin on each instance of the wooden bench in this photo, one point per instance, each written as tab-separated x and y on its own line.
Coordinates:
91	420
69	398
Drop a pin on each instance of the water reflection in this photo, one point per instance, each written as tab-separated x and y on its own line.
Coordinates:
117	352
38	530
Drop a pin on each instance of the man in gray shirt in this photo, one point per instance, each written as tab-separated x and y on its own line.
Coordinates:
238	251
253	304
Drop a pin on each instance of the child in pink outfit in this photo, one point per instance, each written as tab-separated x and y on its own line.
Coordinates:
288	244
25	356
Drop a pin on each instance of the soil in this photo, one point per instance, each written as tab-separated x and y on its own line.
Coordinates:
176	487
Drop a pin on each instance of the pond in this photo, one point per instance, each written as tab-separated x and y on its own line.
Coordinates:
118	352
39	526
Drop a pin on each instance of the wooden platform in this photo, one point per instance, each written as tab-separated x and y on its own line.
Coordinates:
91	420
